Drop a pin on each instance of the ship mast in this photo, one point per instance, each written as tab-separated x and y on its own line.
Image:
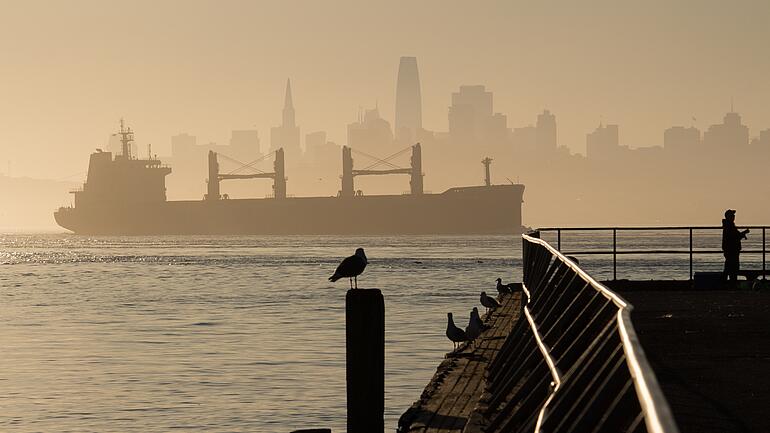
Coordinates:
487	178
126	138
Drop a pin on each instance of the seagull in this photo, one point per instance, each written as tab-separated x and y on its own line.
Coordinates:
490	303
476	318
473	330
504	288
501	289
351	267
457	335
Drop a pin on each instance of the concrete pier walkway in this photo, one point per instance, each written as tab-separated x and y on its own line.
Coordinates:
710	350
447	404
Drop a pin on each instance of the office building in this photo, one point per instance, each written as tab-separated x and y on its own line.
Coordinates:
408	101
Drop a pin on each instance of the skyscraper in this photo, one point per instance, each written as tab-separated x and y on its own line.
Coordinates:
546	131
603	143
244	145
286	135
371	134
681	139
472	119
727	135
408	101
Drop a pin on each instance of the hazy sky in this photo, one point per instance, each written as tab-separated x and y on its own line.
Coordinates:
70	69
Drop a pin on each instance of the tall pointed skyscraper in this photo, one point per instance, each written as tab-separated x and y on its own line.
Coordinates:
286	135
408	101
288	107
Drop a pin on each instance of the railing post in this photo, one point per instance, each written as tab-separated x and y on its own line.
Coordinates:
763	253
690	253
614	254
524	261
558	239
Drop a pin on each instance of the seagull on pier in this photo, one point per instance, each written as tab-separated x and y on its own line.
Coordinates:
476	318
489	303
504	288
473	330
457	335
351	267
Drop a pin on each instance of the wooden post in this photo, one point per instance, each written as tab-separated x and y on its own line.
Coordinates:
365	336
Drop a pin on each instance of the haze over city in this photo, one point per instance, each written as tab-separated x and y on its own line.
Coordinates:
209	68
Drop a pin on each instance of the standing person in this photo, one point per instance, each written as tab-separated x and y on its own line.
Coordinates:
731	245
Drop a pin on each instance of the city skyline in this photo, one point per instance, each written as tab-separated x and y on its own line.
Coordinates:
339	58
288	132
372	126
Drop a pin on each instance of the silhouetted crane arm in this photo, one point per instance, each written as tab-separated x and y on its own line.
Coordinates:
247	176
376	172
387	159
379	161
243	166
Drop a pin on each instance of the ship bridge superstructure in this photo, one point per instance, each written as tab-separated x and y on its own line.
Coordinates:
124	179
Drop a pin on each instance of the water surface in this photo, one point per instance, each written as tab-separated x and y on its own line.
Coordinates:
234	333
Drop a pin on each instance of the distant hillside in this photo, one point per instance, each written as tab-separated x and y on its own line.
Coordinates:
28	204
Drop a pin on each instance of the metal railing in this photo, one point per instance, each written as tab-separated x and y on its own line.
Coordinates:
691	251
575	364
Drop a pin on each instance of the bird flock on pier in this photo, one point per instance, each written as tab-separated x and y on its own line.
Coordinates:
351	267
475	326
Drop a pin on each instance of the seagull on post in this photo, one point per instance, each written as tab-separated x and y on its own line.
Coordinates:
457	335
351	267
489	303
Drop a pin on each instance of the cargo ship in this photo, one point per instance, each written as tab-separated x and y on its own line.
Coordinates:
126	195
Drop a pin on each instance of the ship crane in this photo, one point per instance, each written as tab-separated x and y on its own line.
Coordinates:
278	175
415	171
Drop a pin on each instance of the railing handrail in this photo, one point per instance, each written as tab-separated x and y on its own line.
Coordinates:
691	251
644	228
658	417
651	251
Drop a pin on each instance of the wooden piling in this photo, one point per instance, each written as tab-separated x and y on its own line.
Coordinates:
365	340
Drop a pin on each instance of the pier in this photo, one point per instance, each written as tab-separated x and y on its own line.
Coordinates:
710	352
568	353
450	399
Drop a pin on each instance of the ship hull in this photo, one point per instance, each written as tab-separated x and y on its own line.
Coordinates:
471	210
